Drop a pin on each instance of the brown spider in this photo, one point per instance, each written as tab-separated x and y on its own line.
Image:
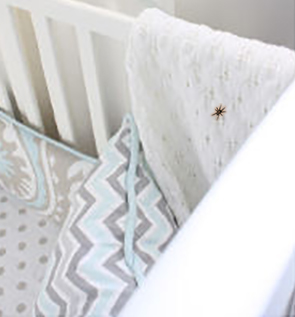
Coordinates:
219	111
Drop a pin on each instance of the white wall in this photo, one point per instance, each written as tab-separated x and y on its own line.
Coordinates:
272	21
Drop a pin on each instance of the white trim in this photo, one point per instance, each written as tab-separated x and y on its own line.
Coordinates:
102	21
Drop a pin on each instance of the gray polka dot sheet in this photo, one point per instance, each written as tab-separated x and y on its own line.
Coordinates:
26	240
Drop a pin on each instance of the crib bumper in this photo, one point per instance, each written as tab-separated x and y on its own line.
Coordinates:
235	255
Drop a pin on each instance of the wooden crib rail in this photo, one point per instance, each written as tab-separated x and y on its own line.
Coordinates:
17	69
87	20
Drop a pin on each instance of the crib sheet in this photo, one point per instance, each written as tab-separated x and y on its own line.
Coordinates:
26	240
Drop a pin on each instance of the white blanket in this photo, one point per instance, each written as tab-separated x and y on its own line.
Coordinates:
178	74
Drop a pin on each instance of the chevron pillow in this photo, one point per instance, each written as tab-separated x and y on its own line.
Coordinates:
120	227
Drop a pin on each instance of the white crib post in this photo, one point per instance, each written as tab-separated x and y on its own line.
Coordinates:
17	70
53	79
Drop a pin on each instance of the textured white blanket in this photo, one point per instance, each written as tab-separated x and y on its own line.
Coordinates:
178	74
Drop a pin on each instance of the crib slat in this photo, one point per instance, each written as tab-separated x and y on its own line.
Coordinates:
53	78
5	103
17	71
98	120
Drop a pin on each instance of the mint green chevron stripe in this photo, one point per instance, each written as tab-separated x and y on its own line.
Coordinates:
118	230
93	224
45	302
161	228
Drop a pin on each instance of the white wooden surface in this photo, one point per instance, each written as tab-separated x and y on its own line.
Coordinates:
86	20
17	70
97	113
99	20
54	84
4	97
235	255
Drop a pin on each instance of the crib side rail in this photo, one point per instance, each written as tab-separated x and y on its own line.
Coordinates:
87	20
235	255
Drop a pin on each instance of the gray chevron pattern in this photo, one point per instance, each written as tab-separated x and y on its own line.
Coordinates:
84	248
89	274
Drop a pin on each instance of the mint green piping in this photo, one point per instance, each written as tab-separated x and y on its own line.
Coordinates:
131	258
41	136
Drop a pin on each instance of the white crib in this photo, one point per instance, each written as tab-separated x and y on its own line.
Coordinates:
249	296
86	20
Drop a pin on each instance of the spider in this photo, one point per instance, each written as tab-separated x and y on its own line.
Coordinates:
219	111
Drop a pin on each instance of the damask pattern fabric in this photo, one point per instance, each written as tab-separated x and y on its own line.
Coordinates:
26	241
121	226
178	73
39	171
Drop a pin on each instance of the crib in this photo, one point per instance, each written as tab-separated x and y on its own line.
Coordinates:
193	281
